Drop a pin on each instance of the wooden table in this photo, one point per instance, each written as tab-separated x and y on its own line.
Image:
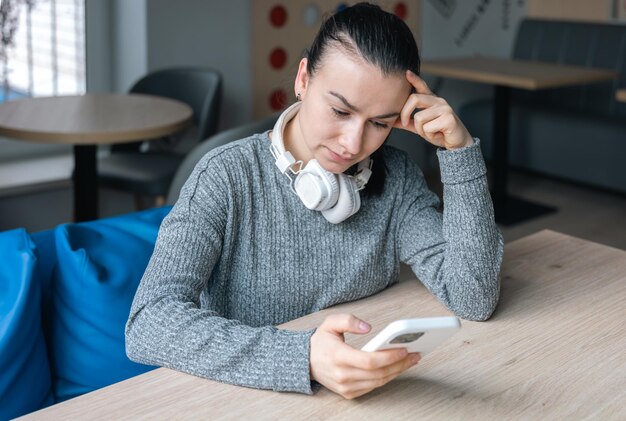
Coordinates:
554	349
89	120
505	74
621	95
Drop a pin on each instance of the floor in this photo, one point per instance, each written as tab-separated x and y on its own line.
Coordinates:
582	212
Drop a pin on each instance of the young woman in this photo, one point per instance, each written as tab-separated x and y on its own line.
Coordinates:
246	248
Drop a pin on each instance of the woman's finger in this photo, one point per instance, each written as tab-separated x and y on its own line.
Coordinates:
424	117
416	102
353	388
347	356
352	374
418	83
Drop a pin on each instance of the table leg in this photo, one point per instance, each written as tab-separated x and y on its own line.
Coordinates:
85	183
508	210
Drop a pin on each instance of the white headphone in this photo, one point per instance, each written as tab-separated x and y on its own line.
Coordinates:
335	195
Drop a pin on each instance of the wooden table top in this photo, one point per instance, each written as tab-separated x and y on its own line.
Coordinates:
93	118
554	349
523	74
621	95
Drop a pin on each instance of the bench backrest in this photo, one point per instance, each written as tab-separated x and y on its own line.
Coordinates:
584	44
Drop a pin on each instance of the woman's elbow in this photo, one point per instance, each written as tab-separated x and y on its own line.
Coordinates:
134	338
477	306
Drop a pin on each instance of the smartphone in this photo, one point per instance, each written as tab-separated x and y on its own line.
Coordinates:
416	335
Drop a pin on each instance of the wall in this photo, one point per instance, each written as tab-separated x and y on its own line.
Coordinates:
98	45
129	43
206	33
461	28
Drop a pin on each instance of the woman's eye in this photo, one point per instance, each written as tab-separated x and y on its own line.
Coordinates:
339	113
379	125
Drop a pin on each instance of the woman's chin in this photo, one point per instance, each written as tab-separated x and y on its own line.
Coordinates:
334	167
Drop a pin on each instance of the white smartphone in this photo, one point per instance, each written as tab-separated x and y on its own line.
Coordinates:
416	335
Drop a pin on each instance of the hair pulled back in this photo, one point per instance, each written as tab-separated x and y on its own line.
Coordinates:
367	31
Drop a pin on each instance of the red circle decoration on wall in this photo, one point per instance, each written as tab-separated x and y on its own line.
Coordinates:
278	16
278	99
278	58
400	10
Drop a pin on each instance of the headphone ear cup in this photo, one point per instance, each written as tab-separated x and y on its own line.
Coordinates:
317	188
348	203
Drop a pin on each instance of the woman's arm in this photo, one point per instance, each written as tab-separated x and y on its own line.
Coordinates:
457	257
167	327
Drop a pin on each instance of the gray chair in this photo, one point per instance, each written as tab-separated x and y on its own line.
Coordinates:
222	138
149	173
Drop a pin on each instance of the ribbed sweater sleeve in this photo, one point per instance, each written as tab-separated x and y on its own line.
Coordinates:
169	327
456	255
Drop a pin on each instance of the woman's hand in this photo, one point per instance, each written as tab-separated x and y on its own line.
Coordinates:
347	371
434	120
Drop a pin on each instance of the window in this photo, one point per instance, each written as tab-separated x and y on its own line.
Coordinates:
43	48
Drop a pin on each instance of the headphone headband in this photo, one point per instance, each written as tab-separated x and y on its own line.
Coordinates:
284	159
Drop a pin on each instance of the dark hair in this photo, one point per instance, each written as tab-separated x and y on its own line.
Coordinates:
378	37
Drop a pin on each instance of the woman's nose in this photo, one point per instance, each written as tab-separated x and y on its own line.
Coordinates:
352	139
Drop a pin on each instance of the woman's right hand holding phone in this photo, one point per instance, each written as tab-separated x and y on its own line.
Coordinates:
347	371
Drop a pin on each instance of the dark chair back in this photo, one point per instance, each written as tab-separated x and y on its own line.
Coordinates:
585	44
241	132
200	88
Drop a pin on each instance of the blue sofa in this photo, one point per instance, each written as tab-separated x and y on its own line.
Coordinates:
575	133
65	295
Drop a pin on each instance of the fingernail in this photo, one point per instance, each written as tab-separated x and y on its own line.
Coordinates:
363	327
415	359
403	353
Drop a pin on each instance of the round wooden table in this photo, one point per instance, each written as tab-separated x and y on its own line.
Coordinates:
89	120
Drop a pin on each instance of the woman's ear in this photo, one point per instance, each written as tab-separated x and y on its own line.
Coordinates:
302	80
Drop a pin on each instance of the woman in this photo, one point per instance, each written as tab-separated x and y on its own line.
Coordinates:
245	248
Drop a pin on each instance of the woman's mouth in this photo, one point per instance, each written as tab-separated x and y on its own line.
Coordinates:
338	158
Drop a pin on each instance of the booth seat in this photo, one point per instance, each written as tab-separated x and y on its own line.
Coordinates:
65	296
575	133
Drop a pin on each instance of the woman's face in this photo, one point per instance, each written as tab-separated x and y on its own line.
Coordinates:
348	109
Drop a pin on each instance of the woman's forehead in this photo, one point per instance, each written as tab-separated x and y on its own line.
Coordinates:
358	80
338	60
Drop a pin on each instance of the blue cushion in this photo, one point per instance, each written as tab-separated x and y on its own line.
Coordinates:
100	264
24	368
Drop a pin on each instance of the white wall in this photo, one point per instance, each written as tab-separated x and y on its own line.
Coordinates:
98	45
469	27
129	43
209	33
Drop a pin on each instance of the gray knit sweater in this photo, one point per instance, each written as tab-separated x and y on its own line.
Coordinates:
239	253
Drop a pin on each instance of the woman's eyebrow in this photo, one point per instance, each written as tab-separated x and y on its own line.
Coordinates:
344	100
388	115
356	110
